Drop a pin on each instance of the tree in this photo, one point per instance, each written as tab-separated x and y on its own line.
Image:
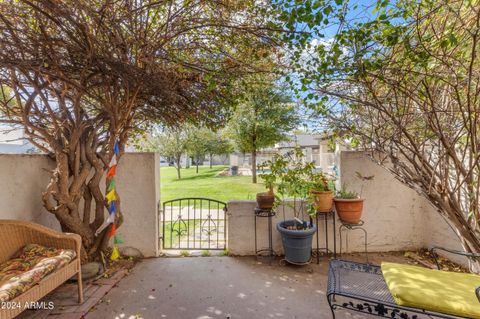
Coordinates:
87	74
197	143
204	141
172	143
218	144
263	117
404	85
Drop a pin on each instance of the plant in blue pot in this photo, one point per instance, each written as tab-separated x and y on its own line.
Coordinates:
292	176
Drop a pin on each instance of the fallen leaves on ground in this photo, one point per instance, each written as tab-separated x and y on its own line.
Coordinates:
425	258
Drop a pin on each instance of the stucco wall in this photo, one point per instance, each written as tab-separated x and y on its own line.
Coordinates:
241	228
394	214
24	177
437	232
392	211
138	183
396	217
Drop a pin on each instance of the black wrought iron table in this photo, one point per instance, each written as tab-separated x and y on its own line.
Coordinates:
325	217
264	213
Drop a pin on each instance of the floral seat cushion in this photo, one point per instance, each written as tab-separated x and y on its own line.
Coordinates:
32	263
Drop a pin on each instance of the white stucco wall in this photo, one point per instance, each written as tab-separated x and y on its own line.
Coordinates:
392	211
22	181
138	183
437	232
23	178
396	217
405	217
241	228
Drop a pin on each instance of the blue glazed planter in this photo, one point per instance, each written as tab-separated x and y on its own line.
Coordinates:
297	244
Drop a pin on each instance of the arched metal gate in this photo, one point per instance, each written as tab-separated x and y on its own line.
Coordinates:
194	223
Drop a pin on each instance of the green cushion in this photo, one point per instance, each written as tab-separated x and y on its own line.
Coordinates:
435	290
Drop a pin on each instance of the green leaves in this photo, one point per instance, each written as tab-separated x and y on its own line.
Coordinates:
452	39
449	42
263	117
293	178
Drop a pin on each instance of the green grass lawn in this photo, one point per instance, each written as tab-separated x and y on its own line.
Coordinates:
206	184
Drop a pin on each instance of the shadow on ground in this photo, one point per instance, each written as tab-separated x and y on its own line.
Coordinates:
223	287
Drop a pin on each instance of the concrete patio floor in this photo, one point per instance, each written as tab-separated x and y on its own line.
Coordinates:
223	287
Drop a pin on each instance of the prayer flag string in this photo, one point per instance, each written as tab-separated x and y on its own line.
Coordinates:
111	198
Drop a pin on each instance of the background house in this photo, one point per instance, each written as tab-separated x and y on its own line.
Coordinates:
316	148
12	141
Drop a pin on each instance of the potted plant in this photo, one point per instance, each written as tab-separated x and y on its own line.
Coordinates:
349	206
265	200
293	190
322	192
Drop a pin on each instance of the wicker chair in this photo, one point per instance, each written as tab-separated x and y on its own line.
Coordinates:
14	235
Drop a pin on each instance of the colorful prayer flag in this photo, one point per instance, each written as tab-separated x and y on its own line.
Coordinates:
112	209
116	149
115	254
117	240
112	171
113	161
111	196
113	230
112	184
111	218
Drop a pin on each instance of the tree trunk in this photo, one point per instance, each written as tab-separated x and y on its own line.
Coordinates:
77	176
211	159
254	166
196	163
178	166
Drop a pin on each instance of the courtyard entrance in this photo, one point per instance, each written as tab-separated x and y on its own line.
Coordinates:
194	223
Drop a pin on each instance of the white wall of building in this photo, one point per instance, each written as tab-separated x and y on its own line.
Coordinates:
12	141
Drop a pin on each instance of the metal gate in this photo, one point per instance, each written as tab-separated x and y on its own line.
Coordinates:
194	223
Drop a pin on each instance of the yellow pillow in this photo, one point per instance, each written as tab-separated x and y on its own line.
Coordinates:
434	290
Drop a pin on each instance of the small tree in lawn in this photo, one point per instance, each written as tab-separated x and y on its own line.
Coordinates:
171	143
218	144
80	76
263	117
197	144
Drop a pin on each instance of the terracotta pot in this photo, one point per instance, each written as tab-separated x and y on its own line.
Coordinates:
265	200
323	201
349	210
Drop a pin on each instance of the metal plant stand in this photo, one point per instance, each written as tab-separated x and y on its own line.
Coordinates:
350	227
325	217
265	252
